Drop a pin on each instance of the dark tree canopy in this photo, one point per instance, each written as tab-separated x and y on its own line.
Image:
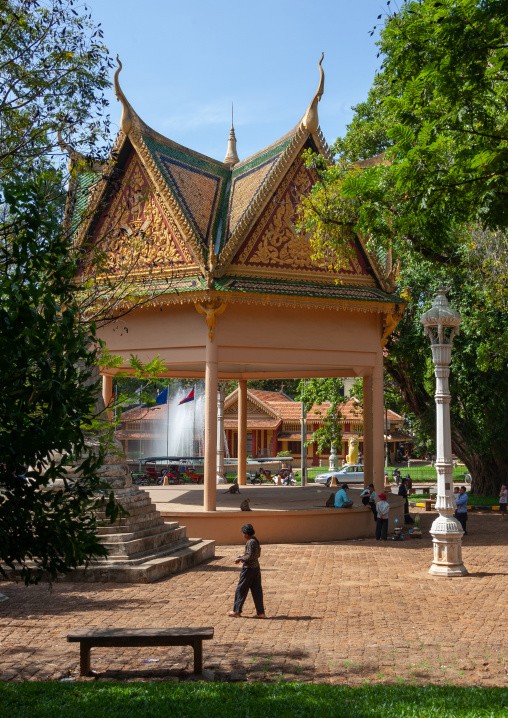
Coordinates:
53	69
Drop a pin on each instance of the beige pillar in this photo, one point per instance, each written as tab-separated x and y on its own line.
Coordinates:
211	387
242	432
107	390
368	477
378	459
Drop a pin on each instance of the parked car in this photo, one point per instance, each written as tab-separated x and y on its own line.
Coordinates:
347	475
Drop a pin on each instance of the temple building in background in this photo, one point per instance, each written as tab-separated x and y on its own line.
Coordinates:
273	425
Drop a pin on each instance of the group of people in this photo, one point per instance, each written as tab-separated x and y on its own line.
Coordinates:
378	505
250	575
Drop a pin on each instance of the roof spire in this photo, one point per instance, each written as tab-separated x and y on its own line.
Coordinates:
311	120
231	157
128	113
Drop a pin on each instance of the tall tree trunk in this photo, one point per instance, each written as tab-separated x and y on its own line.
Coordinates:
487	473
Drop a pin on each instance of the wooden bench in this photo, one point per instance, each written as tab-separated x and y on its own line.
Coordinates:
428	504
135	637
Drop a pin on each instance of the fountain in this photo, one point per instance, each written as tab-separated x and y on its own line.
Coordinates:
182	426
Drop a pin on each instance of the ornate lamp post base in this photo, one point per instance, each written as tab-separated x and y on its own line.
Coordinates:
446	536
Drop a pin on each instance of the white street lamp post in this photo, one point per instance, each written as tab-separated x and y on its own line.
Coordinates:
441	324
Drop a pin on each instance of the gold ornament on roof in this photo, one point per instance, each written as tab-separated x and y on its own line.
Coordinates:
128	114
311	120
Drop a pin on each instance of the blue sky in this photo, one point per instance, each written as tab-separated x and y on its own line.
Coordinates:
185	62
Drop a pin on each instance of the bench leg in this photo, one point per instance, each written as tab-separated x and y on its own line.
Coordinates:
84	658
198	657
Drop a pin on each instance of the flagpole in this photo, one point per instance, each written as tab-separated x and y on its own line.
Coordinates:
193	421
167	427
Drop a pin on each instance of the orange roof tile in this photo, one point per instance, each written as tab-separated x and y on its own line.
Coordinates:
268	397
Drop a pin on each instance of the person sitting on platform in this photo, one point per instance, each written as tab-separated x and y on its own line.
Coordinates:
369	497
341	499
382	508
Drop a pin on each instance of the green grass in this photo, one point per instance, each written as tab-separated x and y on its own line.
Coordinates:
471	500
255	700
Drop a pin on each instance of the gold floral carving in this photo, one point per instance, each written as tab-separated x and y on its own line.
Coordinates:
135	232
280	244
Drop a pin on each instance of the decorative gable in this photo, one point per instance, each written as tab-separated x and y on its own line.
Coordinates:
135	232
273	247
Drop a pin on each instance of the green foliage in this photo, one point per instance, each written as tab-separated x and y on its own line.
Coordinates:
257	700
47	361
317	392
54	70
437	199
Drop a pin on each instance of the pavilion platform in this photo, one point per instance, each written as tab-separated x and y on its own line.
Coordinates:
279	514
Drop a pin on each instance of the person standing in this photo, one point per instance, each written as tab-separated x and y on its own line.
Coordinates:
369	498
403	492
503	499
250	575
461	511
382	508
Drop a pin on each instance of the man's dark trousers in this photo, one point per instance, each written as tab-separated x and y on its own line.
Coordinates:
249	578
381	528
462	518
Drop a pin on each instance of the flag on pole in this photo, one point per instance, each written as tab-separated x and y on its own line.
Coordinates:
189	397
162	398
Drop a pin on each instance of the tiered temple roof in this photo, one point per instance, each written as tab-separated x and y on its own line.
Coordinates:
209	229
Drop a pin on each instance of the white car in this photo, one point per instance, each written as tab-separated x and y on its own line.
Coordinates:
347	475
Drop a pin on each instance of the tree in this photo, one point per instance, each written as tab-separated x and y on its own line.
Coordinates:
46	403
53	70
317	392
422	172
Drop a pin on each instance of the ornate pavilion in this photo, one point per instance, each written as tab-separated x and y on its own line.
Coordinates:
224	285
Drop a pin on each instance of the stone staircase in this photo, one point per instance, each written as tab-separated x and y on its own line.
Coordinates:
142	548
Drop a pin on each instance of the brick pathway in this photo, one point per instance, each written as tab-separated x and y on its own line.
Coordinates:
343	612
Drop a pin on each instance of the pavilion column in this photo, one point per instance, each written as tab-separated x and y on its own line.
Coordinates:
368	477
378	426
211	388
107	390
242	432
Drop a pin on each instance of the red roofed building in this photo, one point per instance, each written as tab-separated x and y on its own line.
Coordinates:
273	425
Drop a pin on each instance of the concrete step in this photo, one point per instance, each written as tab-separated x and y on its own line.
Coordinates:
132	524
149	530
113	530
160	566
139	546
152	554
138	504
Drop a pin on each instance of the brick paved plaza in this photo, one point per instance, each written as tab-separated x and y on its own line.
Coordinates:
341	613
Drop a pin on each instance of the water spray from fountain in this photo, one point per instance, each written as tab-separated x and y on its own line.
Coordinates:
183	424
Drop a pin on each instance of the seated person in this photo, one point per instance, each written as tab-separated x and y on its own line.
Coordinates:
369	498
341	499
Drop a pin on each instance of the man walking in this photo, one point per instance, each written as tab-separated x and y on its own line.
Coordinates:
250	575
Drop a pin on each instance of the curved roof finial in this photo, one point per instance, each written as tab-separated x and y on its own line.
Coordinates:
231	157
128	113
311	120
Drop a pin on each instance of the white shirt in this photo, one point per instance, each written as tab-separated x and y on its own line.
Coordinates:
382	508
